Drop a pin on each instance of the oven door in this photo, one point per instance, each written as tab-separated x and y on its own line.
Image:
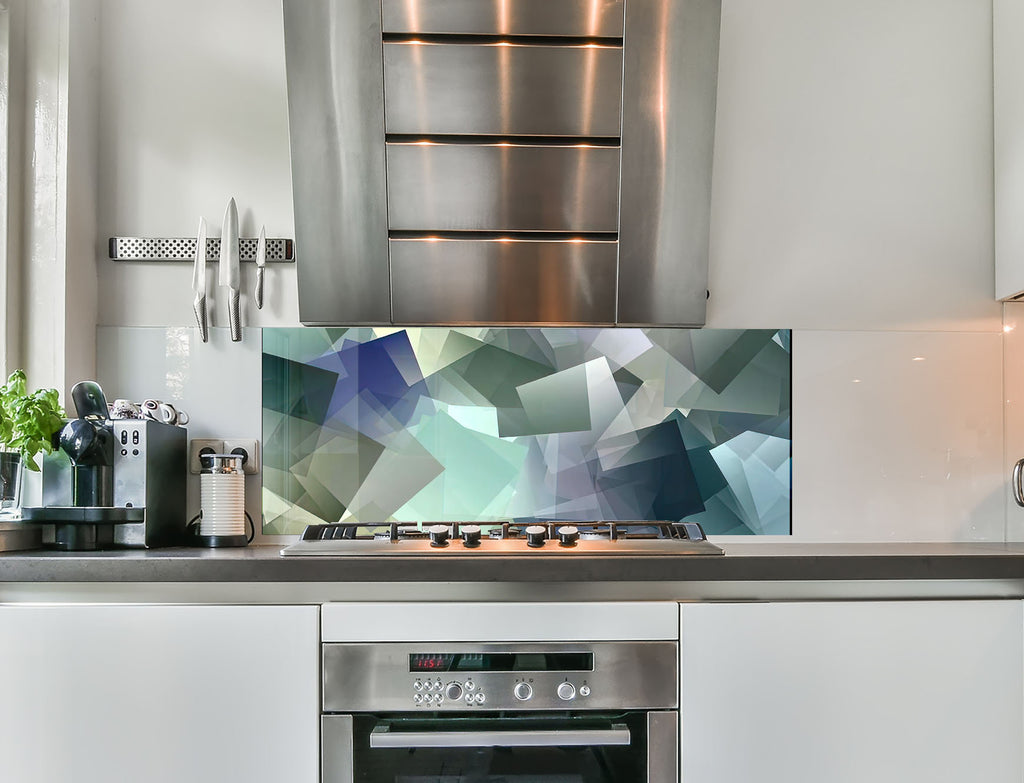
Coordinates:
630	747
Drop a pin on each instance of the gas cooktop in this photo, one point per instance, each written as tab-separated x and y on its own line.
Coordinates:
467	539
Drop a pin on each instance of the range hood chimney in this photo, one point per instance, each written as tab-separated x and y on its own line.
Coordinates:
502	161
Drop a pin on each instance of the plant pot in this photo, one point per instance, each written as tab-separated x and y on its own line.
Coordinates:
11	469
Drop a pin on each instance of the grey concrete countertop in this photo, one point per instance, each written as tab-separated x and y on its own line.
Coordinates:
750	571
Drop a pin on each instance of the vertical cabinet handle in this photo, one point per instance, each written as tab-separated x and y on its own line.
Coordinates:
1018	490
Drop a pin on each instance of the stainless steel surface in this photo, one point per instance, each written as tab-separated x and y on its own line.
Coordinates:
494	281
221	463
383	737
663	747
336	120
279	251
229	272
505	89
261	263
336	748
501	548
376	677
595	18
502	187
1018	489
670	82
199	282
251	576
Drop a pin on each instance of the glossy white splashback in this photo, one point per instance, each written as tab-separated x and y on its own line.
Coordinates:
1013	387
897	436
217	383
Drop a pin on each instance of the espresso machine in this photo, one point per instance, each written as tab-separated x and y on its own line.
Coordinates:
112	483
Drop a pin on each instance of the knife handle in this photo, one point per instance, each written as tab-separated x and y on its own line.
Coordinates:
258	294
199	306
234	317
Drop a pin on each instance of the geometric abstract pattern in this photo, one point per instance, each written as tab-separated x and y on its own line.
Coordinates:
484	424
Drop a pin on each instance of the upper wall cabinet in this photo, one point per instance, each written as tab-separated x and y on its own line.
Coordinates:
1008	117
502	162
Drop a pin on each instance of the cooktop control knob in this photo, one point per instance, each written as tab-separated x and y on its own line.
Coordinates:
470	535
535	535
522	691
568	535
453	691
438	535
566	691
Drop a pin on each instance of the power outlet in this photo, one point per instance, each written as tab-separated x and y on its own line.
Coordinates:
249	449
198	446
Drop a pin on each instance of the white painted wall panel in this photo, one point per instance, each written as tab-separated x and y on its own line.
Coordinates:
852	692
853	166
161	694
194	112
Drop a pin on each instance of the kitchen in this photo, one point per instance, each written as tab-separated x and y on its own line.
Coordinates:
852	202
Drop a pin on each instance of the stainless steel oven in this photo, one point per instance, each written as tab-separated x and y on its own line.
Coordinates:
518	712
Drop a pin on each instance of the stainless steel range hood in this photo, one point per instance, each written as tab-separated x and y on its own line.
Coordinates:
502	161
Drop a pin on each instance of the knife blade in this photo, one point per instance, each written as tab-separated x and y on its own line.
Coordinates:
261	262
229	274
199	282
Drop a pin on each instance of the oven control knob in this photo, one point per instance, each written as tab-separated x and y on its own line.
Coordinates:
438	535
535	535
568	535
584	690
566	691
453	691
522	691
470	535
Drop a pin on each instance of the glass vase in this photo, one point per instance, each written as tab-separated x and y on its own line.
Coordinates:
11	469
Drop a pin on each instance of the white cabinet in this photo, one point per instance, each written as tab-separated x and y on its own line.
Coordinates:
1008	152
159	694
852	692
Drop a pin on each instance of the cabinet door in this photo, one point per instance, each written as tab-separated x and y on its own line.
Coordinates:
852	692
159	694
1008	151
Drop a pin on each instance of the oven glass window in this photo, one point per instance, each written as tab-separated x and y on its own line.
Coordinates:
533	756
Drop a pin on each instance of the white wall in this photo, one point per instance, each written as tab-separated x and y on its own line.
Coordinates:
194	112
852	202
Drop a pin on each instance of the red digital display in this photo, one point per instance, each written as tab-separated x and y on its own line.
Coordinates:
430	662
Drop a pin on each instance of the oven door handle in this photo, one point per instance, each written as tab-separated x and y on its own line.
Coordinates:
382	737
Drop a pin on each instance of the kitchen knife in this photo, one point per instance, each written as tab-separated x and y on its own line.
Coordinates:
229	275
261	262
199	282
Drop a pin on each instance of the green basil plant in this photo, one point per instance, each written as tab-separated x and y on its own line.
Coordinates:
28	422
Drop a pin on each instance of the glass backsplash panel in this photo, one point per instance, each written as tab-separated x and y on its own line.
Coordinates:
488	424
